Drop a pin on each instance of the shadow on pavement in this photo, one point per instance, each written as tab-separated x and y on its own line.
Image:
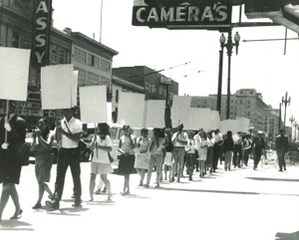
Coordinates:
14	225
273	179
137	196
67	211
287	236
106	203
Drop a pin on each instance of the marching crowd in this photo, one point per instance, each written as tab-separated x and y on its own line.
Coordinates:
169	152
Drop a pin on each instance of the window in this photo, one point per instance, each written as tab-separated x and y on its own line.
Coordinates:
92	78
105	66
80	55
116	95
54	53
15	39
61	56
81	76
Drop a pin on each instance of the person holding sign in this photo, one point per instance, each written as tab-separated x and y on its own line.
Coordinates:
127	158
68	134
102	144
42	146
142	155
179	140
12	135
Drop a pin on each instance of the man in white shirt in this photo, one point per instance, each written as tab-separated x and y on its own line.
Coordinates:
68	133
179	141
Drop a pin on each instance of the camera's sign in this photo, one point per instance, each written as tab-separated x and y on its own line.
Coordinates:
182	15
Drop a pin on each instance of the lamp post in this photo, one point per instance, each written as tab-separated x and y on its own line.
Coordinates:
286	101
292	119
167	115
295	125
229	46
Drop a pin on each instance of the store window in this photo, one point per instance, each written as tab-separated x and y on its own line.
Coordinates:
15	39
54	53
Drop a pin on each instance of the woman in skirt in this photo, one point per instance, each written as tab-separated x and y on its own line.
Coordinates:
127	157
142	155
100	164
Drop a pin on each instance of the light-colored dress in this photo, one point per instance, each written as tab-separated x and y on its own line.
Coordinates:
100	162
142	155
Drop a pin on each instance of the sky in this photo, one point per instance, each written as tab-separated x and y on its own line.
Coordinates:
191	57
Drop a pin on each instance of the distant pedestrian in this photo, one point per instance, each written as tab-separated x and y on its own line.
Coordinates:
43	139
246	148
228	147
202	148
258	145
156	156
127	157
190	155
142	155
167	161
179	141
68	133
217	149
13	127
210	154
100	163
281	147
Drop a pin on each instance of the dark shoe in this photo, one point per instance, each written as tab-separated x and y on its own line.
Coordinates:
172	179
280	170
54	204
190	179
77	203
17	215
98	192
37	206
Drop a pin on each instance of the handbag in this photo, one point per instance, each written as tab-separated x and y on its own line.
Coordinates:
111	159
23	152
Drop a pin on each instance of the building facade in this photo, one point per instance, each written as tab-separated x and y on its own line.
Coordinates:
244	103
152	81
92	59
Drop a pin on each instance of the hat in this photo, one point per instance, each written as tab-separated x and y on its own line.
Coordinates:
260	132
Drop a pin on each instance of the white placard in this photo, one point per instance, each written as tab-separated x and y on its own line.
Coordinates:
75	88
14	73
180	111
131	109
93	104
235	125
154	114
57	86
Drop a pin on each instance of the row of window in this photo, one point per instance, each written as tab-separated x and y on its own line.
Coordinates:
89	78
156	89
81	56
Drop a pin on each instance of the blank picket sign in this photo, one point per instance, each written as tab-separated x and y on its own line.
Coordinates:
14	73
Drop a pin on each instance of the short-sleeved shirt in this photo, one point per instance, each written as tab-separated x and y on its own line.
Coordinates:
101	155
74	126
126	144
183	136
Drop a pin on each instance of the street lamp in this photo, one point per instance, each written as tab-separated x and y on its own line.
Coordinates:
295	125
292	119
167	115
229	46
285	100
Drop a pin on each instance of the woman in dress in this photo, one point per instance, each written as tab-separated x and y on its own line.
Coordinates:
127	157
100	164
12	135
202	153
142	155
156	156
42	146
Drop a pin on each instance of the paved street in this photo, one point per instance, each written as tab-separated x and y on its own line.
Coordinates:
241	204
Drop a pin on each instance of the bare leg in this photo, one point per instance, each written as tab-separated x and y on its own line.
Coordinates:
92	184
107	184
48	190
15	198
4	197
